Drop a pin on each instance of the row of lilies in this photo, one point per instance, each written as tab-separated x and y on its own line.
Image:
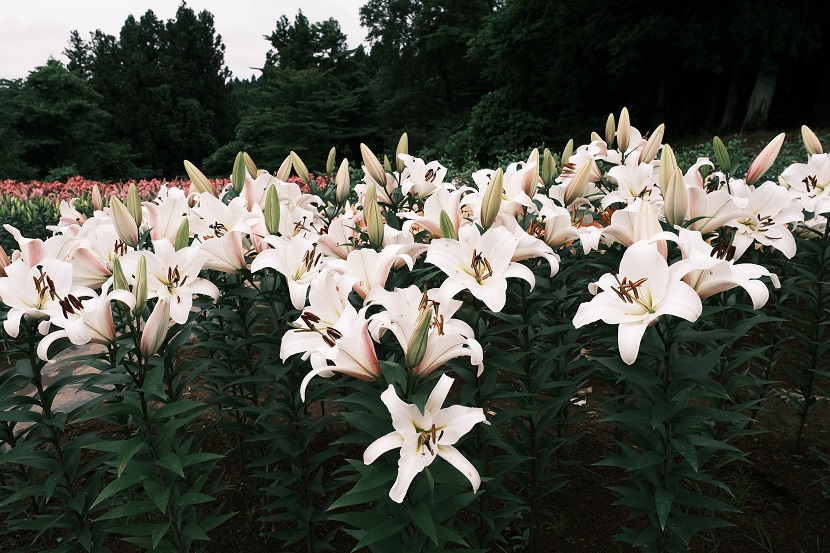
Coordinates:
347	337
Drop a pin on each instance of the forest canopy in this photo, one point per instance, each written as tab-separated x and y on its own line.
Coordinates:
467	79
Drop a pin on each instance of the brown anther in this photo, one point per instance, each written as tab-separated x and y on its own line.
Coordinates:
430	175
334	333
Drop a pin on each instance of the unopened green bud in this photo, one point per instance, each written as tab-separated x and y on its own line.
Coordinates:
387	166
373	166
417	346
272	210
140	290
343	182
285	169
811	142
183	235
675	199
200	182
403	148
610	129
548	167
447	228
530	181
97	198
299	167
134	204
568	151
239	173
579	182
124	222
624	130
250	165
330	161
649	152
374	223
119	281
722	155
491	203
668	163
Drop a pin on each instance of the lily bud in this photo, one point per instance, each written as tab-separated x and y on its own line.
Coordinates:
491	203
373	166
764	160
595	137
578	183
648	153
387	166
183	235
250	165
97	198
331	160
676	199
530	182
403	148
548	167
140	290
374	223
155	329
417	346
344	185
124	223
239	172
610	129
447	228
272	210
200	182
568	151
624	130
722	155
119	281
285	169
134	204
299	167
668	163
811	141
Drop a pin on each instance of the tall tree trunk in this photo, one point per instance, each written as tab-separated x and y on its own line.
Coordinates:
731	109
757	112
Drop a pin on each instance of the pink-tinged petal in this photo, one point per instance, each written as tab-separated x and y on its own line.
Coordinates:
455	421
764	160
409	465
438	395
629	336
155	329
464	466
391	441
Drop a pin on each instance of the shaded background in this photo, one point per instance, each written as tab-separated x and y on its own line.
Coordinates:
467	79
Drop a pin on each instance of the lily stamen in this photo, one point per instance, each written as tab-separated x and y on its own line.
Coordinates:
481	267
628	291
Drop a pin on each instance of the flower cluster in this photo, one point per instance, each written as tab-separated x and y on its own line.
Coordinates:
683	234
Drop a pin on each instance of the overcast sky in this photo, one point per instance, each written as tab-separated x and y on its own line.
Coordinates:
33	30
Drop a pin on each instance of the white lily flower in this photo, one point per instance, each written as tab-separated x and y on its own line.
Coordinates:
766	218
481	263
644	289
423	436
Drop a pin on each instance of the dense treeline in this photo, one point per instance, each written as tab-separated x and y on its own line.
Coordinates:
465	78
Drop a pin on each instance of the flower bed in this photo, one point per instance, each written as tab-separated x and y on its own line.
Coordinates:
432	340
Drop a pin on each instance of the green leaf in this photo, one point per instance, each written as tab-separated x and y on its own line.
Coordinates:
663	500
171	462
380	532
117	485
127	450
423	519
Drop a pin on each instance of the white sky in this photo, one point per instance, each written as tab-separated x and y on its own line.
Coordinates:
33	30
